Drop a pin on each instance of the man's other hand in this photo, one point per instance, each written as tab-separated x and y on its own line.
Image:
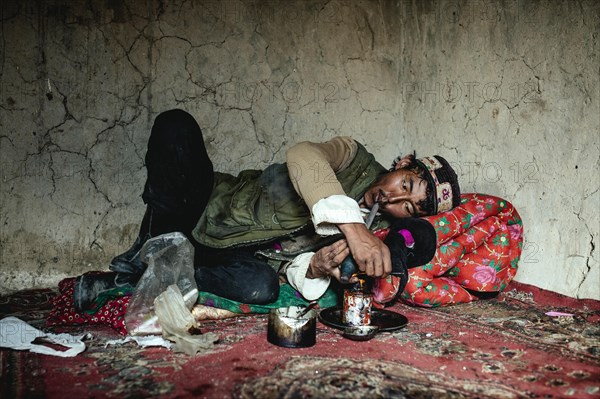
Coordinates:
326	261
371	255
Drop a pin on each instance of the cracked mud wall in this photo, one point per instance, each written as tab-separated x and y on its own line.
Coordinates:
508	91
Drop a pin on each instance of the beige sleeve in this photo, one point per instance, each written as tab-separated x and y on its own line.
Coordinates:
312	167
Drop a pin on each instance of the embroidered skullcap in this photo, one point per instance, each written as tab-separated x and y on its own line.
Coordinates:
443	179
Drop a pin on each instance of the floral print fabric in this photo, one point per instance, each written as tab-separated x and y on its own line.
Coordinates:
111	312
479	245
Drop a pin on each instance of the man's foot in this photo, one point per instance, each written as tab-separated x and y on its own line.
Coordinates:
130	261
89	286
153	224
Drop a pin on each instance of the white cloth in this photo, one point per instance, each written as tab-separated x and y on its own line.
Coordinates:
333	210
309	288
17	334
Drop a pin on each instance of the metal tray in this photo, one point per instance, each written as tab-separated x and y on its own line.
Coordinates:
386	320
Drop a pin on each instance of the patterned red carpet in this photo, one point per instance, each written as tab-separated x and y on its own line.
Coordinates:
501	348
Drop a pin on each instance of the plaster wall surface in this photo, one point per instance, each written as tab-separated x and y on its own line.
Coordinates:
507	91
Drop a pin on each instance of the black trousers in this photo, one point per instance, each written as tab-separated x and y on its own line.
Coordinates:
178	187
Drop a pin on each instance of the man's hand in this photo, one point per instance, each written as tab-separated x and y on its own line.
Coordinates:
326	261
371	255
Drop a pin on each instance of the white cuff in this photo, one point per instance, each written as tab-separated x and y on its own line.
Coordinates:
333	210
310	288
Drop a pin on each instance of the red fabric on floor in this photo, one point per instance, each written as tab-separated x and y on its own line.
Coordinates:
63	312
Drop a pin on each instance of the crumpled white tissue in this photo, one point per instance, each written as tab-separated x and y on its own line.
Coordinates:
19	335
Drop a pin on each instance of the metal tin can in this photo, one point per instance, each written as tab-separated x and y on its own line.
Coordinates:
357	308
285	328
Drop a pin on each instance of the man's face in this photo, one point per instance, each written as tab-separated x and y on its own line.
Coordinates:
398	193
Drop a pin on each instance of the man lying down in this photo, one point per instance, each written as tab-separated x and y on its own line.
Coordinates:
323	189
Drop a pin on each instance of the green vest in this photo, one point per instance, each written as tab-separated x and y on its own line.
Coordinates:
260	206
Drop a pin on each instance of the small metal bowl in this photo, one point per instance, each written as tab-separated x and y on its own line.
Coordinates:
360	333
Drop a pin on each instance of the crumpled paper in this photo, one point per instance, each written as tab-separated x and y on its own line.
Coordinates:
559	314
143	341
19	335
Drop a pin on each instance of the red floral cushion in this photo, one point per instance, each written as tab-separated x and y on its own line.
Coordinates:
112	313
479	245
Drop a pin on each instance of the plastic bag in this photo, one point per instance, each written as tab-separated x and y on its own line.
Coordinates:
178	324
170	260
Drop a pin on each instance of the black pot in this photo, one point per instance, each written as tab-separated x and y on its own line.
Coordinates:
286	329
